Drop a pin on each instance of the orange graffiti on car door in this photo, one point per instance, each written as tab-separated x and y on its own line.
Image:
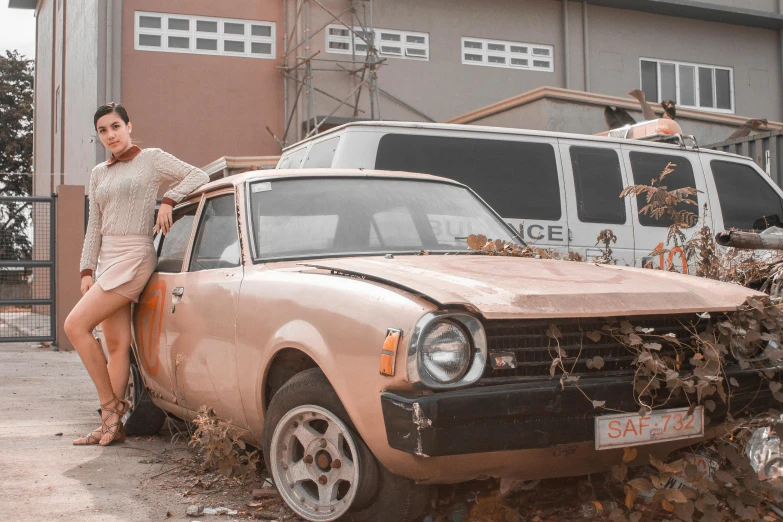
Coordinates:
149	321
672	251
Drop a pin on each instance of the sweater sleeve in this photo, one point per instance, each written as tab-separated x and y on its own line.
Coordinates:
92	239
169	168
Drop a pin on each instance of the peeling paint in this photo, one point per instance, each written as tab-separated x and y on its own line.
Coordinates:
421	423
420	420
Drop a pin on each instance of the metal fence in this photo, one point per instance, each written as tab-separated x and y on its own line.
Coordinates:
764	148
27	269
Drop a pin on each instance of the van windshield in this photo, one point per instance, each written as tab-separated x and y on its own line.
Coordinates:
303	218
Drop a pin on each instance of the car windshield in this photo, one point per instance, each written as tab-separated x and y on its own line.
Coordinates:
300	218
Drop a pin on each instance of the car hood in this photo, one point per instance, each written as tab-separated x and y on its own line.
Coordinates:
501	287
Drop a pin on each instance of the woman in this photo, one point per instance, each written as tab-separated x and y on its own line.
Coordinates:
118	248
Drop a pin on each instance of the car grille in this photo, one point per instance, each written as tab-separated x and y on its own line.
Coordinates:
534	350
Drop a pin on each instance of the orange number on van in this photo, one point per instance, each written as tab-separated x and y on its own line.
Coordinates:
674	250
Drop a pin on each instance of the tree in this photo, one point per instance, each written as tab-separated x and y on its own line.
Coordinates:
16	153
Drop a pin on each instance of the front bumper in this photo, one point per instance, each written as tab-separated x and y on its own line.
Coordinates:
530	415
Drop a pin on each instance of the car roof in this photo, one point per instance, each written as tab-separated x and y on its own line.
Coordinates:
277	174
359	125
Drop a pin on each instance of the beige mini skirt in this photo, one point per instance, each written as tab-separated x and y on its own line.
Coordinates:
125	264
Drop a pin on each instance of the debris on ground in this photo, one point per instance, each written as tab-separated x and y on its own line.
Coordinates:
265	493
764	451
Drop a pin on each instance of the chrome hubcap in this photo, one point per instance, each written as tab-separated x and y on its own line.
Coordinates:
314	463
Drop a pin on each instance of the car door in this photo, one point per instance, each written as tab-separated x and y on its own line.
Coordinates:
204	307
152	319
594	178
646	164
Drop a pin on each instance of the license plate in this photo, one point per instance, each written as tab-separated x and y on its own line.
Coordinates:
629	429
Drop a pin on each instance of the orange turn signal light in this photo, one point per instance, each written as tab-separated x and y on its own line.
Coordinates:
389	351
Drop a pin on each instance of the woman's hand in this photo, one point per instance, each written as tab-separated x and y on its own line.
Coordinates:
87	283
164	219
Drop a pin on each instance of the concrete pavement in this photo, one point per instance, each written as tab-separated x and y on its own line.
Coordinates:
43	477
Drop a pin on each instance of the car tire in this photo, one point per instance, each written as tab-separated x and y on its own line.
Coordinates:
379	495
143	418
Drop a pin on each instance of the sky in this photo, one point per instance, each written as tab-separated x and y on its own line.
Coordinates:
17	30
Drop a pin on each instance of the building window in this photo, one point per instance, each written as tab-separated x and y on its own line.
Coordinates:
512	55
690	85
204	35
390	43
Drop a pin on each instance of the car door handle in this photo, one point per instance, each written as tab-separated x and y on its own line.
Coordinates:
178	291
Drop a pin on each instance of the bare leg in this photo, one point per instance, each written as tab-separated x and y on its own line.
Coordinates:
93	308
117	332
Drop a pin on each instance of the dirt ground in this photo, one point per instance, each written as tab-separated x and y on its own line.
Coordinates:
47	400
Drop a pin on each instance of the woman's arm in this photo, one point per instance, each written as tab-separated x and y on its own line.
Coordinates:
188	177
92	239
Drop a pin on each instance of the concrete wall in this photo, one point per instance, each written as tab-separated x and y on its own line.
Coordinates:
582	118
43	100
618	39
199	107
443	87
58	93
81	78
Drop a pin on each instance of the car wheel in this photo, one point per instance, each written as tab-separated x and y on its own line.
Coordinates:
143	417
322	468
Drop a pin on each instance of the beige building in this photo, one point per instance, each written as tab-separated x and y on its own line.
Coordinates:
210	80
197	95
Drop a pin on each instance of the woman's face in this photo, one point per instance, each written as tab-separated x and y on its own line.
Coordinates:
114	133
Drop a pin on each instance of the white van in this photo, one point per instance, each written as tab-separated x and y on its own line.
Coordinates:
559	189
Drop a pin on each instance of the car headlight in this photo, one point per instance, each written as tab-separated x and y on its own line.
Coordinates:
445	351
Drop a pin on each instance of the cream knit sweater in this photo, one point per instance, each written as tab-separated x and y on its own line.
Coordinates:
122	197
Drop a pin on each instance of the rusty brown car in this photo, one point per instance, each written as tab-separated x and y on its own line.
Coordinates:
337	320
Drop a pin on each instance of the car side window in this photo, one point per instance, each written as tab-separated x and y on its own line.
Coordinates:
598	183
747	202
175	243
321	154
217	238
646	167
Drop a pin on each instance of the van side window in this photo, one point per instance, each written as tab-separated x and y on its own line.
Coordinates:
646	167
292	160
518	179
598	182
746	201
321	154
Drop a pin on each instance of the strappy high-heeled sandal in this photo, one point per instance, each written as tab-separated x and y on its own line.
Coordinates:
114	432
91	439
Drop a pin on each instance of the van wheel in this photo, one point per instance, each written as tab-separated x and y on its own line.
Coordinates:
143	417
322	468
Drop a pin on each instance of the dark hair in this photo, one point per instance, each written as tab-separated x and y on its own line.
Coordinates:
116	108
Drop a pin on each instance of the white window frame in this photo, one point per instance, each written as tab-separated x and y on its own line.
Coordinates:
697	94
192	34
405	46
506	54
